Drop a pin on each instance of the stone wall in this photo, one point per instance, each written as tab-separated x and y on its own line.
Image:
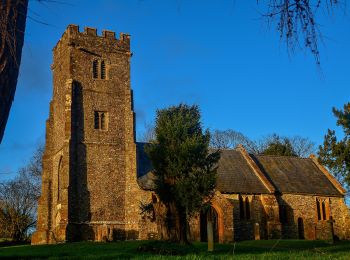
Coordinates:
302	213
90	189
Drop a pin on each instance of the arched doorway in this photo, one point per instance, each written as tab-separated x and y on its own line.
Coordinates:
203	224
301	228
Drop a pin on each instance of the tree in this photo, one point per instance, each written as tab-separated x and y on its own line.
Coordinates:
184	169
297	23
272	144
279	146
13	14
229	139
148	135
334	153
18	199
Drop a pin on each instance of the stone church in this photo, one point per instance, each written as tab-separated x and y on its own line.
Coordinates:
95	175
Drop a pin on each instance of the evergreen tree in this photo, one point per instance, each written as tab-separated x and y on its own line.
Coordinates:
279	146
334	153
185	169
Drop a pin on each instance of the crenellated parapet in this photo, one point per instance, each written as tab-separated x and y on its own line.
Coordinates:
107	39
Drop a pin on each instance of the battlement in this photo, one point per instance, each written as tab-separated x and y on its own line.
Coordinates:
73	29
73	34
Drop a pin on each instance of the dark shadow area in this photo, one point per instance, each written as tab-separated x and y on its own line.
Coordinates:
204	223
79	197
287	219
301	231
13	243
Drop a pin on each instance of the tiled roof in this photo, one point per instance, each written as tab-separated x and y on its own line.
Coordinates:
295	175
235	175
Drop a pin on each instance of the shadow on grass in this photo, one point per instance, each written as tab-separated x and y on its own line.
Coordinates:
161	249
6	243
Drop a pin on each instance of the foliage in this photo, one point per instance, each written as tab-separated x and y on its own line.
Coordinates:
277	145
18	200
334	153
271	144
260	249
185	170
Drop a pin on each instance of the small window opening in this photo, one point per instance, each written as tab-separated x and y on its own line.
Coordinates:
103	121
324	211
247	208
154	198
97	120
95	69
100	120
241	207
318	209
103	70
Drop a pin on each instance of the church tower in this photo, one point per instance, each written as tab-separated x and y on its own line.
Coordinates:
89	182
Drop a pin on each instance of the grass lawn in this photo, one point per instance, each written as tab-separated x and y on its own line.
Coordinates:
263	249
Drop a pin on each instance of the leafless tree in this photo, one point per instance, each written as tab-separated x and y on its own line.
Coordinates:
296	22
149	134
229	139
301	146
18	200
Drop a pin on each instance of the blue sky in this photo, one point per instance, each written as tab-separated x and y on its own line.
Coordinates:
218	54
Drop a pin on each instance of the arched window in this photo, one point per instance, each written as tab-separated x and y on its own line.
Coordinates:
323	210
95	69
103	121
247	208
318	209
97	120
154	198
103	70
241	207
59	172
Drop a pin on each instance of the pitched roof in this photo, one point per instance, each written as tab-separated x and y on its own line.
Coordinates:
295	175
236	176
239	172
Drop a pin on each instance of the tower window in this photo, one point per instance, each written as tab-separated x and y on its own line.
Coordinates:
100	120
95	69
99	69
103	70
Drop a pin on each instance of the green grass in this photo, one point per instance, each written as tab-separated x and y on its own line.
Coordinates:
264	249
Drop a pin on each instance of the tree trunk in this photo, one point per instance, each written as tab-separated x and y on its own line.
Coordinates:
13	14
183	227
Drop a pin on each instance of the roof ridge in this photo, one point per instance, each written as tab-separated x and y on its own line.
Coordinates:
256	169
282	156
328	175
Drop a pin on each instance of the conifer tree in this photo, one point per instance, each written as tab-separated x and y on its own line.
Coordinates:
185	169
334	153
